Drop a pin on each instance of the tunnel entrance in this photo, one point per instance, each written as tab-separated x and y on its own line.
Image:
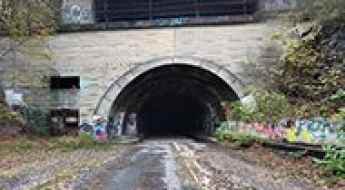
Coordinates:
174	100
172	114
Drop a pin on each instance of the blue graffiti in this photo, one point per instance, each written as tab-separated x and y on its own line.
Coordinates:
75	14
170	22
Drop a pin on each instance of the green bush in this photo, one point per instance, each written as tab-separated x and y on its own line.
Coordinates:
86	140
341	116
323	10
338	96
224	134
334	161
270	107
5	114
310	68
37	120
239	112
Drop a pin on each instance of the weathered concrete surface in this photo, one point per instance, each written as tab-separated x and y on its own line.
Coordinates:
101	58
181	164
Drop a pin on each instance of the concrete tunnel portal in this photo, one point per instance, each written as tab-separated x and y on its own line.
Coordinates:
173	100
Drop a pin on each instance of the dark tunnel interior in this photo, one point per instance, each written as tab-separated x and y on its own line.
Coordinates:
172	115
175	100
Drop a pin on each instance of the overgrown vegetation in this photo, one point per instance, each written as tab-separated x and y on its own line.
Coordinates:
321	11
310	72
309	76
25	27
270	107
5	115
238	139
21	19
334	161
37	121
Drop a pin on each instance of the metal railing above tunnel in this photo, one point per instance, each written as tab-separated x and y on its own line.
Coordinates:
151	10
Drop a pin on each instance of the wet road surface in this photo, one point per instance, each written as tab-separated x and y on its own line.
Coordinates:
184	164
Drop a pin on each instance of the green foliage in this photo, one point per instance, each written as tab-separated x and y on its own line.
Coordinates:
5	115
240	112
28	24
224	134
339	96
25	28
334	161
20	19
270	107
37	120
305	72
323	10
341	116
310	70
86	139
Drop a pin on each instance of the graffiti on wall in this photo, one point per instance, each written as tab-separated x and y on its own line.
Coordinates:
131	124
271	5
14	98
116	127
97	129
100	129
315	130
170	22
74	13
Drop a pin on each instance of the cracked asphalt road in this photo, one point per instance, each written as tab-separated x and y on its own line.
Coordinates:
183	164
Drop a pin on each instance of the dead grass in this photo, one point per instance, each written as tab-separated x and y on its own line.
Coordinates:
24	149
293	165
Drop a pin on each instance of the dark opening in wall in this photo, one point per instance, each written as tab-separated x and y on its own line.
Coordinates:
62	82
64	121
172	114
173	100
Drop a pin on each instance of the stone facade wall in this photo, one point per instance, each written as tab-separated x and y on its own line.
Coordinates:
100	58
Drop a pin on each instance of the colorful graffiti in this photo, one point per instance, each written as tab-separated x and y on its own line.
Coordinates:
121	124
315	130
14	98
97	129
270	5
131	124
116	125
77	14
169	22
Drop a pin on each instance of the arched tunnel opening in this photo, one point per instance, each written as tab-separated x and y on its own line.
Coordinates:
172	114
173	100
